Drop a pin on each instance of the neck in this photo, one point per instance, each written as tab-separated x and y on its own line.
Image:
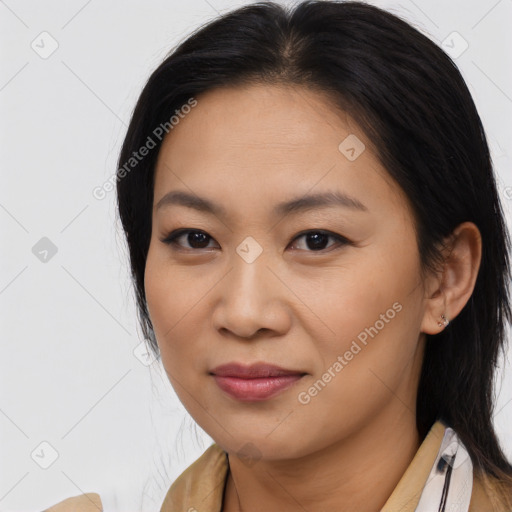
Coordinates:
358	473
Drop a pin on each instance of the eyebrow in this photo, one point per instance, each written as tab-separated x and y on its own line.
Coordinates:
300	204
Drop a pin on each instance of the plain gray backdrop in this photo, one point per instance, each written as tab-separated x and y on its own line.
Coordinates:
81	407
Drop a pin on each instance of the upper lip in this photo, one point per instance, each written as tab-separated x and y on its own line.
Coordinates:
252	371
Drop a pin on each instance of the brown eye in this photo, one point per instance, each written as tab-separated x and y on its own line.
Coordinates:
316	241
195	238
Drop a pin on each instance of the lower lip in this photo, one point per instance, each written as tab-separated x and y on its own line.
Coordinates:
254	390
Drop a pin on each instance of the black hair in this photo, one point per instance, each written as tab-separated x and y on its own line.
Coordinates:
411	100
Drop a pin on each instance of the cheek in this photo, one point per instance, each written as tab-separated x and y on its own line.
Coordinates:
158	291
370	360
373	309
166	296
175	298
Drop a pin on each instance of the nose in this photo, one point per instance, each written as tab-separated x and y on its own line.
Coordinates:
251	299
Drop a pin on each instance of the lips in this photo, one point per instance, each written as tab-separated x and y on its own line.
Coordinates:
253	371
255	382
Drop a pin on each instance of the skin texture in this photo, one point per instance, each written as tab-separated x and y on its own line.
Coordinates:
248	148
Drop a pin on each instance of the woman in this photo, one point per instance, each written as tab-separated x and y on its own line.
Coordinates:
354	375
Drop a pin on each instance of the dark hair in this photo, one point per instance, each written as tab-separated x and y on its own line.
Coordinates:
412	102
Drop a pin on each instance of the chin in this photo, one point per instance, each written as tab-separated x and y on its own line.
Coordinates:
254	447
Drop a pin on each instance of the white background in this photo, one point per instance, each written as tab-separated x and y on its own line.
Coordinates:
68	374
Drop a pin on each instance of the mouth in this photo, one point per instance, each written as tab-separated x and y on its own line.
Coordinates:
256	382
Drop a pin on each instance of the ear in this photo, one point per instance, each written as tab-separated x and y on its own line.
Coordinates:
448	291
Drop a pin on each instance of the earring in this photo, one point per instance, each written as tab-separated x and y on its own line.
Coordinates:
444	323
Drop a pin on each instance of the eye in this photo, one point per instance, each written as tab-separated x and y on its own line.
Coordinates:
315	240
197	239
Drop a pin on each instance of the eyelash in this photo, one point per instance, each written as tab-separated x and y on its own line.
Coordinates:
171	239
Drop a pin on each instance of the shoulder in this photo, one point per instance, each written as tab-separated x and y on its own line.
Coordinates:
201	485
486	496
90	502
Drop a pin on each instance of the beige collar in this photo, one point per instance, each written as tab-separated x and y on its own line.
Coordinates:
201	485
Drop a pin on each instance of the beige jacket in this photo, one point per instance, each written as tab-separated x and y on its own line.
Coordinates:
201	486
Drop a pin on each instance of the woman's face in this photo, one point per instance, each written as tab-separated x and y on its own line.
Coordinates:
330	291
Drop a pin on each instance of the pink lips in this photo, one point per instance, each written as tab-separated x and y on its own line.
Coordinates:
254	383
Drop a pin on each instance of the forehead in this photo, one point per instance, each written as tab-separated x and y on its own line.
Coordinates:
265	141
264	118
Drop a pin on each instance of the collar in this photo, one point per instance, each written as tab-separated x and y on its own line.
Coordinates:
201	485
